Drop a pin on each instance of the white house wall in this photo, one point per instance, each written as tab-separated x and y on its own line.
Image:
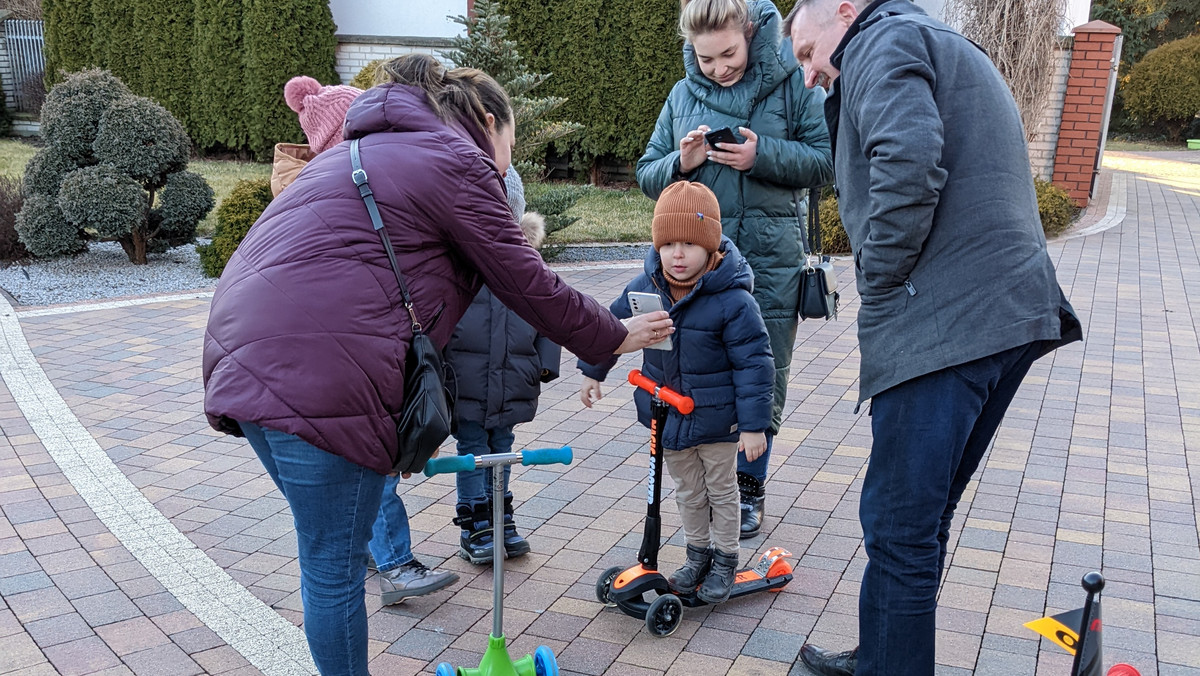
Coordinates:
397	18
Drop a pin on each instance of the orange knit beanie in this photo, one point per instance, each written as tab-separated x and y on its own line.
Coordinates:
687	212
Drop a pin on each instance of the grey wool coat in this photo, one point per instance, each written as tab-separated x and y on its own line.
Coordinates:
937	197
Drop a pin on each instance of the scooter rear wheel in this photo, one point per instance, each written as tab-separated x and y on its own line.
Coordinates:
444	669
664	615
544	663
604	586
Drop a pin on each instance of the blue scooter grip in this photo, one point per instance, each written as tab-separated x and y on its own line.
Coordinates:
547	456
450	465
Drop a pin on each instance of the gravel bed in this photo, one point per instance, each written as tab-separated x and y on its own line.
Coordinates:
104	271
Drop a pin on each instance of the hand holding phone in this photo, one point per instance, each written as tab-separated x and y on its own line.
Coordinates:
722	135
642	303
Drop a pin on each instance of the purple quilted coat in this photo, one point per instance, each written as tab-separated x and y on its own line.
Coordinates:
306	334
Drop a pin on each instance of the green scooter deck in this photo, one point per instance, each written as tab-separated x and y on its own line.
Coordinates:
496	662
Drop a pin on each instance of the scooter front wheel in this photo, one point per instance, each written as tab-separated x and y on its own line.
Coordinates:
604	586
444	669
664	615
544	663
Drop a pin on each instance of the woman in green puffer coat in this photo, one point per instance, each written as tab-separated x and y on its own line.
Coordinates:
740	76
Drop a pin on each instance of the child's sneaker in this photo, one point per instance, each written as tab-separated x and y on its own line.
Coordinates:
475	542
686	579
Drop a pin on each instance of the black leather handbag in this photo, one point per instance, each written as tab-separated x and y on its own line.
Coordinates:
818	297
425	421
818	283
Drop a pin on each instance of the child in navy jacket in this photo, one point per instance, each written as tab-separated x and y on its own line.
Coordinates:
721	358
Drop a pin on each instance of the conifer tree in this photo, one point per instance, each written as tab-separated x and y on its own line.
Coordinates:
219	98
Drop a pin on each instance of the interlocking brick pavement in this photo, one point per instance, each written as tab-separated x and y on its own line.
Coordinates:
1096	467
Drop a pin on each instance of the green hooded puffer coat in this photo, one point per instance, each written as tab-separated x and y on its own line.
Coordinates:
757	210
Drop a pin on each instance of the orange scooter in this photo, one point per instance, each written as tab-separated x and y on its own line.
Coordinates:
626	588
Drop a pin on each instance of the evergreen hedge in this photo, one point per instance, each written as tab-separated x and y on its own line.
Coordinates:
1164	87
68	37
163	31
218	115
237	213
115	46
283	39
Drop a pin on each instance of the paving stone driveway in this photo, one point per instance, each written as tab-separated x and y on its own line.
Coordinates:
1096	467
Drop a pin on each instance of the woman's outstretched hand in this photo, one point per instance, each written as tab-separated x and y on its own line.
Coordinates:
645	330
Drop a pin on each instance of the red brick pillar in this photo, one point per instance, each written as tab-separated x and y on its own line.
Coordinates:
1081	127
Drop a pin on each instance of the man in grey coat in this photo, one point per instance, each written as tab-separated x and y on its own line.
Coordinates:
958	294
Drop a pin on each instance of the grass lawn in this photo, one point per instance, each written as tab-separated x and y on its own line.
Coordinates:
605	214
1141	146
220	174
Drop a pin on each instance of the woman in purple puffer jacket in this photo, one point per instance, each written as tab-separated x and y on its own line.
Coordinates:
306	342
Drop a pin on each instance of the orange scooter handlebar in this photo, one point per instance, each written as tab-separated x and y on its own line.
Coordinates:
683	404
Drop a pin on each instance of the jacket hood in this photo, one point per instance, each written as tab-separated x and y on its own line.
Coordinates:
404	108
733	272
766	66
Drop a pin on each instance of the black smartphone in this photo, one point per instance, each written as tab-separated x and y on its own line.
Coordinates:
722	135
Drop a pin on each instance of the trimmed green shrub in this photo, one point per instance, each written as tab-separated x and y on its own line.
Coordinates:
72	111
105	190
245	203
1164	87
143	140
365	78
283	39
45	170
44	230
164	31
68	35
613	60
553	205
102	199
115	45
1055	207
834	240
11	201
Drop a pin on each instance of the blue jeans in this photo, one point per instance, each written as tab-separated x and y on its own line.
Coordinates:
758	468
930	434
391	543
334	504
475	487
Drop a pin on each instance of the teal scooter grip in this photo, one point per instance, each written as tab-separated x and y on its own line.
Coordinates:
547	456
450	465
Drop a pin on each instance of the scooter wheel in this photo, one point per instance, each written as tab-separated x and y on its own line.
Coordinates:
604	586
444	669
664	615
544	663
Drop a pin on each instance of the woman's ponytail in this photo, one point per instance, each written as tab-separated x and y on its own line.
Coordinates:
457	94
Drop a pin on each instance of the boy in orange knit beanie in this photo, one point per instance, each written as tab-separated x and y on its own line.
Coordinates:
721	357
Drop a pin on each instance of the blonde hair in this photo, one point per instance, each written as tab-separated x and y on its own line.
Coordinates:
459	93
697	17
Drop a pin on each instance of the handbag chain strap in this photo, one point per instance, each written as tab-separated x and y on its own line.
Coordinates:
364	190
813	229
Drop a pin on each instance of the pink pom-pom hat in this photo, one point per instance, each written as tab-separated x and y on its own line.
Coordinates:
322	109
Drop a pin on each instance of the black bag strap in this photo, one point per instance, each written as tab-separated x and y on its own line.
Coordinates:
368	197
813	228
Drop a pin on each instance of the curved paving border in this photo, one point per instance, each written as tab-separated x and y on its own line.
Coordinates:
268	641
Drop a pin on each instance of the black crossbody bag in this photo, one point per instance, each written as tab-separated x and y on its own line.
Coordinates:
818	298
425	421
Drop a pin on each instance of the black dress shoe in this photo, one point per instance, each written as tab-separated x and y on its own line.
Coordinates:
827	663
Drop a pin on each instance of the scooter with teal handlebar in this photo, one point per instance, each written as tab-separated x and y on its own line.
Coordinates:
496	661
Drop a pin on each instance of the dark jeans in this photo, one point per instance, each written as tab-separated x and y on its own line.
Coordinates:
475	486
930	434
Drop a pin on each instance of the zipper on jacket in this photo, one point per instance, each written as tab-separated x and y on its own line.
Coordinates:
912	290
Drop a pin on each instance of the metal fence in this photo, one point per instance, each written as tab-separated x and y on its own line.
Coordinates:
24	41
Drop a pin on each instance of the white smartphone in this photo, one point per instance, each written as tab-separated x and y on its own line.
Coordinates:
642	303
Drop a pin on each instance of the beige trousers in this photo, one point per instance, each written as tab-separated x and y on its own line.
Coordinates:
706	476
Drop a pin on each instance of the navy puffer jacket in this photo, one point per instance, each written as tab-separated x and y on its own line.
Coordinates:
721	354
499	363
